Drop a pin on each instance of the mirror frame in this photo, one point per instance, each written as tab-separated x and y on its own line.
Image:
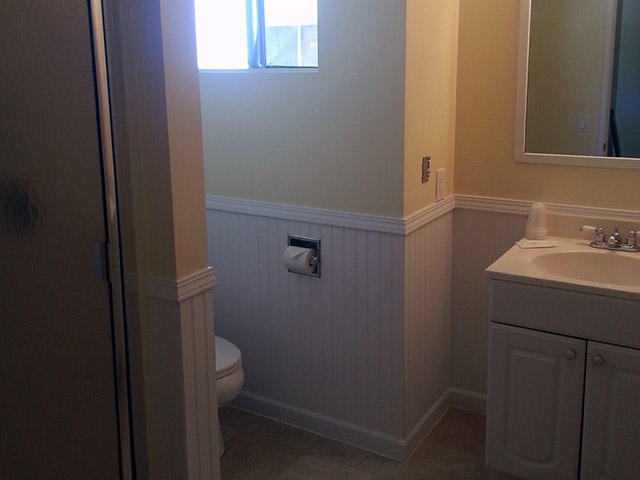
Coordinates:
521	155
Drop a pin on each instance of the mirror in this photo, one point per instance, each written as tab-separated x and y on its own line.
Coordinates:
579	83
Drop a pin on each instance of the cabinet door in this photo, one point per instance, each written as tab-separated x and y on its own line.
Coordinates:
611	435
534	406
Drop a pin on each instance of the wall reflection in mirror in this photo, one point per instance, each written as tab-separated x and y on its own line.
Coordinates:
583	94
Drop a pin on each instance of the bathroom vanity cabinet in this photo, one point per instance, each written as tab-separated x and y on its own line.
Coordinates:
563	381
554	400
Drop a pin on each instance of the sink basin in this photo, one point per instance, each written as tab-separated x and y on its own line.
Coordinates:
592	266
572	265
570	289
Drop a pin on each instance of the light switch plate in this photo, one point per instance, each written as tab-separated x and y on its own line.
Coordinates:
583	123
439	184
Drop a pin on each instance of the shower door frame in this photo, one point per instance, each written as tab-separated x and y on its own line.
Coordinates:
114	258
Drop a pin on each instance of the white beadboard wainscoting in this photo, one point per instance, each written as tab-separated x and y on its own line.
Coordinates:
393	332
360	354
179	389
484	236
427	326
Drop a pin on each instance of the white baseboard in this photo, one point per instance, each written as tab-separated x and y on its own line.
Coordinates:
425	425
376	442
452	397
474	402
396	448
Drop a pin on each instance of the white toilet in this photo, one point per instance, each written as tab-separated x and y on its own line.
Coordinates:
229	376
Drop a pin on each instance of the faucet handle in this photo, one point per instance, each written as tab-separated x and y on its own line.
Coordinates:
597	231
590	229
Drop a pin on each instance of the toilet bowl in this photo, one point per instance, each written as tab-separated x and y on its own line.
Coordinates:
229	377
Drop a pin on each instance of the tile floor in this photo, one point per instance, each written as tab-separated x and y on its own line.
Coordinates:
262	449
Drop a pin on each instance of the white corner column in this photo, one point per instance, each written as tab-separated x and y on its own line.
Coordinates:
181	328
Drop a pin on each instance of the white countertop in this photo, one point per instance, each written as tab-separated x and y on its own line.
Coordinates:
519	265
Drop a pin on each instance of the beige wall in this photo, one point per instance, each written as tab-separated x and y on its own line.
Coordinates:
158	132
486	94
337	138
430	90
330	139
137	82
566	64
184	132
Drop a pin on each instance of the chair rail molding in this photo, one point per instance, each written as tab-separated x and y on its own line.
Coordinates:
521	207
181	289
334	218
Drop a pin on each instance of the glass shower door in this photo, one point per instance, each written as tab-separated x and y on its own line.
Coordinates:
58	407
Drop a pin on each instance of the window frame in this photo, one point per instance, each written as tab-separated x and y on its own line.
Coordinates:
256	34
256	45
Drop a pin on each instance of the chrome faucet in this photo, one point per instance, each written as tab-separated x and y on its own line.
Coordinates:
613	242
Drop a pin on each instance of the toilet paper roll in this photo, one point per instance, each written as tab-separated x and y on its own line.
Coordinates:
298	259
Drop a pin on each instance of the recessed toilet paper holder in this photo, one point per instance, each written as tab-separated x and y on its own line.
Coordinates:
306	242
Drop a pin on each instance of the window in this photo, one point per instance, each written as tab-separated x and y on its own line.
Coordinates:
240	34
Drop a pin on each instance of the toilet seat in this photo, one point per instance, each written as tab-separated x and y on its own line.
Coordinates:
229	377
228	358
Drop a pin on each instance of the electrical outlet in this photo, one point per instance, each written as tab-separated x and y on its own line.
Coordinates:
439	184
426	168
